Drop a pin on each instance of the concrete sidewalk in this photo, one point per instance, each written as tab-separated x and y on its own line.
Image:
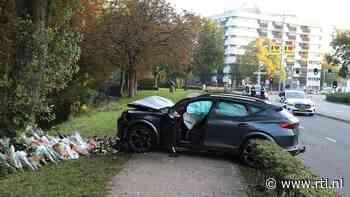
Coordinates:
190	175
331	110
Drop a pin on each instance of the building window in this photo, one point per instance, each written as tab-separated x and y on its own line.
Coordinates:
277	34
292	28
278	25
305	29
262	33
263	24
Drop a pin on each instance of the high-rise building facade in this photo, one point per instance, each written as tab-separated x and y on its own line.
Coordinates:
245	25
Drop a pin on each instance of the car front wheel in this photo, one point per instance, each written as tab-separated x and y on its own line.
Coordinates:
140	138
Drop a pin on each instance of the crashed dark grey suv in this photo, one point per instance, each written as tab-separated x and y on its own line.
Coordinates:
219	122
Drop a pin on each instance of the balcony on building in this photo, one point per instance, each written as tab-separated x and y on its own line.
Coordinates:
277	34
263	24
305	29
305	38
304	46
278	25
262	33
292	28
291	36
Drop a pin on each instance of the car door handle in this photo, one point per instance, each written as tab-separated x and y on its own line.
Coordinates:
243	125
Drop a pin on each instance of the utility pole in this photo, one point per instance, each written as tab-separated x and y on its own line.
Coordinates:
282	52
259	73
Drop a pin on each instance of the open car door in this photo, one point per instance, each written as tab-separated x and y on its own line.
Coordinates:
194	120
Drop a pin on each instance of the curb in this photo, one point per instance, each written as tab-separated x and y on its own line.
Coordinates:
333	118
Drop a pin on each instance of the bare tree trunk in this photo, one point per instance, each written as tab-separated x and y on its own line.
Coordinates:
131	82
122	82
156	80
135	84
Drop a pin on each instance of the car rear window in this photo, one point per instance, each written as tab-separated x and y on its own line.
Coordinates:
286	114
232	109
255	109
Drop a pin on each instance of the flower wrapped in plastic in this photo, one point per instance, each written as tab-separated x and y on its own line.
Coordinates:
22	157
47	152
78	144
14	161
4	163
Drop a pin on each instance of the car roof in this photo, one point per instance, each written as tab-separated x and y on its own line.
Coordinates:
235	97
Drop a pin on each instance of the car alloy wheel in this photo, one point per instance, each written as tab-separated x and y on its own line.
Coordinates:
140	138
248	153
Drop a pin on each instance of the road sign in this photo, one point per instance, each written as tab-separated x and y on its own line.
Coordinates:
289	48
275	48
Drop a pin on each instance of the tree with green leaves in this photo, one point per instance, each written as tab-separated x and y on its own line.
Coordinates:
209	52
330	70
41	54
341	54
141	33
256	53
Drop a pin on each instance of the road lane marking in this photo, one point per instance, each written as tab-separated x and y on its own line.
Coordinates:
330	139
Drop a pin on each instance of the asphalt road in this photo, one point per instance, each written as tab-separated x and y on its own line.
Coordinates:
327	144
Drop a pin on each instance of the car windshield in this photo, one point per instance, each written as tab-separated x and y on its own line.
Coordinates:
298	95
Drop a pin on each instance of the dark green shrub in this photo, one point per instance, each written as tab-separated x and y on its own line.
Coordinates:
339	98
273	162
147	84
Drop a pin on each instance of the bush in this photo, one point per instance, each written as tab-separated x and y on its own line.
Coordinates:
273	162
147	84
339	98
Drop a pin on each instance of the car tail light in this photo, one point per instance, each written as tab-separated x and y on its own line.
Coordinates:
289	125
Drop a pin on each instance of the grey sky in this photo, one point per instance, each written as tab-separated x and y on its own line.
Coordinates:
325	12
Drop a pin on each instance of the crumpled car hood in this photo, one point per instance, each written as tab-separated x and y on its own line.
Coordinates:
153	102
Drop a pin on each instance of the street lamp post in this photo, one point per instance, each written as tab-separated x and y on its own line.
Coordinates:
259	73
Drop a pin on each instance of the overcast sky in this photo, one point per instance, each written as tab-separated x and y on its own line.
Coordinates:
324	12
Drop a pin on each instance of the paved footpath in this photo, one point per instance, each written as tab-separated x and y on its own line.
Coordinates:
190	175
331	110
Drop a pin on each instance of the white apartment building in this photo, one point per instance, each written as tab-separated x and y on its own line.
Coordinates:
244	25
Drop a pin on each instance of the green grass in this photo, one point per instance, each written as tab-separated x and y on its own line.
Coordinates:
102	121
86	177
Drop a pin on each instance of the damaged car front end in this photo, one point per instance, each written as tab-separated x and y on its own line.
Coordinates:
140	126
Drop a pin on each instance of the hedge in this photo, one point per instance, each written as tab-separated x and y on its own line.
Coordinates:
273	162
339	98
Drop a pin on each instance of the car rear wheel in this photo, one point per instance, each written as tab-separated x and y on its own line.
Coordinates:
248	153
140	138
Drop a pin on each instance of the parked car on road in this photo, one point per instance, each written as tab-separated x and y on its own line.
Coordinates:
219	122
295	101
